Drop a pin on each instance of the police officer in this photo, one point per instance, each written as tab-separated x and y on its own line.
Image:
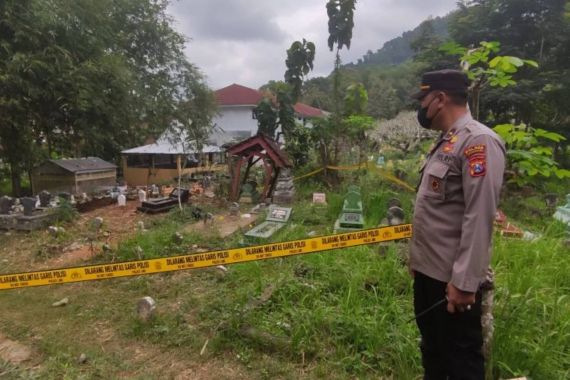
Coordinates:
453	222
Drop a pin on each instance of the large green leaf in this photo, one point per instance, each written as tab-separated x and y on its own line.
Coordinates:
504	131
452	48
562	173
549	135
542	150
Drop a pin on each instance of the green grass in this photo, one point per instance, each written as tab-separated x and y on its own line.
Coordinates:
346	310
158	240
344	314
532	335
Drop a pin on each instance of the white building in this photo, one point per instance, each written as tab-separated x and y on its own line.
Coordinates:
236	121
236	118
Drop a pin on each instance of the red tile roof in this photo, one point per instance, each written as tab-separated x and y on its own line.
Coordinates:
237	95
308	111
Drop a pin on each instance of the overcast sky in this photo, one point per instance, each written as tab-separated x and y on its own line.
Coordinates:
245	41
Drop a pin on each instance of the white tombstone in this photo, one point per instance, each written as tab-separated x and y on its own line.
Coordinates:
122	200
142	195
319	198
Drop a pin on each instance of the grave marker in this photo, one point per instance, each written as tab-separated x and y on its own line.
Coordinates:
284	188
277	218
351	217
45	198
5	205
320	198
29	205
146	308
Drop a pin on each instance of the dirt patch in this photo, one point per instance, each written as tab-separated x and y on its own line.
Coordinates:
13	352
212	370
174	366
81	254
223	225
118	222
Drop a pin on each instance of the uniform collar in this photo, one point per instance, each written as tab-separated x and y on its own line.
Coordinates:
457	125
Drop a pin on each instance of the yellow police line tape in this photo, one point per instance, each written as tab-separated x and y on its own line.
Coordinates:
383	173
392	178
205	259
309	174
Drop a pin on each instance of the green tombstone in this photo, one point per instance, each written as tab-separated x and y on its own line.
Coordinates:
249	193
352	202
351	217
277	218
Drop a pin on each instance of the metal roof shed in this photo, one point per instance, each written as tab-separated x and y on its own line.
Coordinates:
163	160
75	176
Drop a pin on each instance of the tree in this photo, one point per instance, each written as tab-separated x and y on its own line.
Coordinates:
402	132
341	23
527	156
356	123
529	153
527	28
300	57
278	109
267	117
355	100
87	78
485	70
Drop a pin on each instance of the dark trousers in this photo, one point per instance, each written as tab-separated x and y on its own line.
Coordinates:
451	344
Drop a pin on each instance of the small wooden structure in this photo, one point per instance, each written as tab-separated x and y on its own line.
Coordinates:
251	151
162	161
74	176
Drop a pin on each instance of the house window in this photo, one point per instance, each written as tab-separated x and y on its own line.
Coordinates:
253	115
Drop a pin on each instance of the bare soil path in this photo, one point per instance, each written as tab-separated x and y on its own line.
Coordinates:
223	225
13	352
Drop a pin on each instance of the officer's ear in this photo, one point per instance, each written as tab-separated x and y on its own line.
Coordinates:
441	99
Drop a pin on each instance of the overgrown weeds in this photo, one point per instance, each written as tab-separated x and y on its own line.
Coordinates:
343	314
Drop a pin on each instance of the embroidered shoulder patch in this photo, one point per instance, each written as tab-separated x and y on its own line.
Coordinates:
477	168
475	150
477	160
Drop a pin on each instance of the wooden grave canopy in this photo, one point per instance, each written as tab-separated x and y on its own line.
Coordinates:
252	150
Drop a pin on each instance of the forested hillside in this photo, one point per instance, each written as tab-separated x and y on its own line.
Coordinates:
402	48
534	30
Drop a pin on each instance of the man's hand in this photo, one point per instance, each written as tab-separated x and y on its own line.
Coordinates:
458	300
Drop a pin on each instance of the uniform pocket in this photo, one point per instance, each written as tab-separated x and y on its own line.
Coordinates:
436	179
